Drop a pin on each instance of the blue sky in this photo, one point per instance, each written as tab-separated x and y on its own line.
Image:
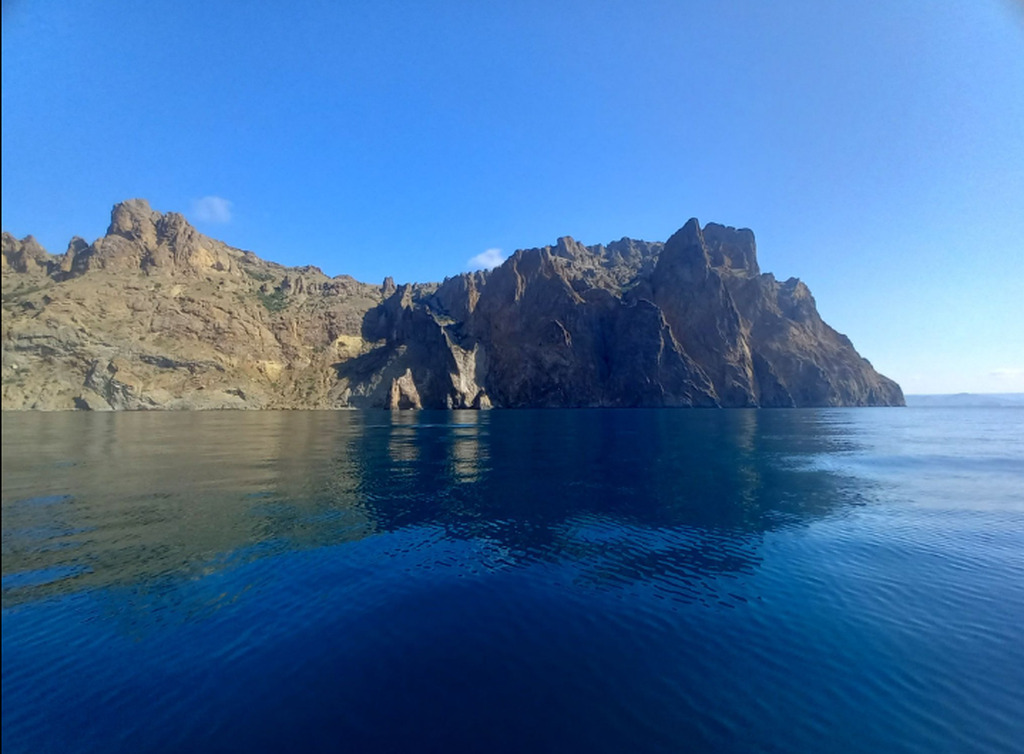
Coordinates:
876	149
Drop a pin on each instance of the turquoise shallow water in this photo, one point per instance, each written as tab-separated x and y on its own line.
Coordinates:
607	581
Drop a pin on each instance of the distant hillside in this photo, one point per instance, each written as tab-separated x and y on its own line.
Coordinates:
964	400
156	315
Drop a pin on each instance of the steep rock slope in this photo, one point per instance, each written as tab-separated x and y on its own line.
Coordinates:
157	315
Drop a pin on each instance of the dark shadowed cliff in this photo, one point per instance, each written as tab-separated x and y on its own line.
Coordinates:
157	315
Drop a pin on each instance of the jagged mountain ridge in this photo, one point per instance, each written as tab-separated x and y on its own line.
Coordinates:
156	315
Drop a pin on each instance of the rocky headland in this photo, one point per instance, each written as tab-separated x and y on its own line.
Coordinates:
155	315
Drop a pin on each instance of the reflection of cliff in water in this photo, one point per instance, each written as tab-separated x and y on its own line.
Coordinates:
625	494
118	499
620	496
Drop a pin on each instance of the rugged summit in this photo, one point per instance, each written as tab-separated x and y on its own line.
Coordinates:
156	315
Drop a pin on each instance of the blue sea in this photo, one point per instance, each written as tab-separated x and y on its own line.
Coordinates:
839	580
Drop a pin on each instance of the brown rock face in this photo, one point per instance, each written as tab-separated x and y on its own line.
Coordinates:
25	256
156	315
553	340
700	311
403	393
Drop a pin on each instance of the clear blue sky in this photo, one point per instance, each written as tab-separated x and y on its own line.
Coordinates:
876	149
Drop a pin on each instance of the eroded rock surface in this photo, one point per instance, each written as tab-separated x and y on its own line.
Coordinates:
155	315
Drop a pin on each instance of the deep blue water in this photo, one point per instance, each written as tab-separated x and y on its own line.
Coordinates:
514	581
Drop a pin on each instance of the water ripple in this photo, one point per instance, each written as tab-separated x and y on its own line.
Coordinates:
514	581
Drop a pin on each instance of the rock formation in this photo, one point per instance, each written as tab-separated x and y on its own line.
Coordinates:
156	315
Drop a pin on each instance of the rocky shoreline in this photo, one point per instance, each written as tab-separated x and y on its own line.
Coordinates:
155	315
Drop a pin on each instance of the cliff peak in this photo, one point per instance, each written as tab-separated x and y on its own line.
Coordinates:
732	248
133	219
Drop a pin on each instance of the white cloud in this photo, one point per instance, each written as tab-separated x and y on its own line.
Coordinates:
1007	380
487	260
212	209
1008	373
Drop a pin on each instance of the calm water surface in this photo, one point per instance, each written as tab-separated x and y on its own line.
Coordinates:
512	581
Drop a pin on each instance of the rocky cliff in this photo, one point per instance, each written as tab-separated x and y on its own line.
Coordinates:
156	315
